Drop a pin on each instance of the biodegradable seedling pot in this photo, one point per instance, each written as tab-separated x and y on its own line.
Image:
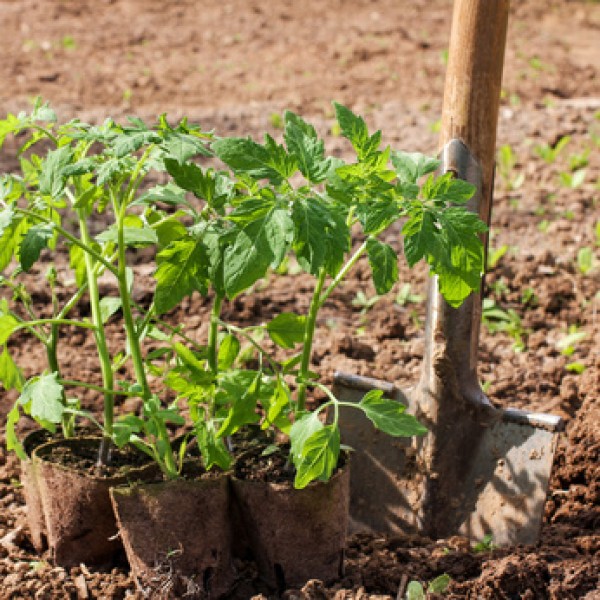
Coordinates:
177	536
295	535
31	490
79	519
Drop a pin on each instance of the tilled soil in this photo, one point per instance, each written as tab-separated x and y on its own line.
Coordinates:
234	65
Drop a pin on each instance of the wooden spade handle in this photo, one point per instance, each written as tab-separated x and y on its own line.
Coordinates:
473	83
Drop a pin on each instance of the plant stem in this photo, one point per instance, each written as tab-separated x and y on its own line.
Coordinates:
307	342
97	388
213	332
101	345
167	463
343	272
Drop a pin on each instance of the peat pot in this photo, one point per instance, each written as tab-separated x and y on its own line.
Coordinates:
31	491
177	536
295	535
75	500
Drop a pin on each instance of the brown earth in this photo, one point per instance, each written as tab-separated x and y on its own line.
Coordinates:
234	65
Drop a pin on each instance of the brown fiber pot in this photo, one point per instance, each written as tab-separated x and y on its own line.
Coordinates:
177	536
80	522
296	535
31	490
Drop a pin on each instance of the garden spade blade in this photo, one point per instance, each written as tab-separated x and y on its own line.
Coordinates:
480	470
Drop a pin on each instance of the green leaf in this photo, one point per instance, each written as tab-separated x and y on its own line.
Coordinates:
212	448
258	245
439	585
244	155
243	403
228	352
389	415
377	215
131	141
301	430
35	240
169	194
384	265
8	324
322	236
12	441
52	178
411	166
43	398
133	236
287	329
352	126
320	455
304	145
182	146
182	269
10	375
109	305
190	177
81	167
415	591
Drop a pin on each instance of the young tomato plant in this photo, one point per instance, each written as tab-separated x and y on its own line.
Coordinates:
294	199
89	175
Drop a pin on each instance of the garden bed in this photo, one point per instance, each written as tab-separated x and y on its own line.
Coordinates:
233	67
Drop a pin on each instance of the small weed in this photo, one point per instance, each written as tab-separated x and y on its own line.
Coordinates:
439	585
436	126
585	260
485	545
498	287
68	43
497	319
572	180
364	302
597	232
549	153
405	296
575	367
568	343
579	160
495	254
529	297
336	130
506	161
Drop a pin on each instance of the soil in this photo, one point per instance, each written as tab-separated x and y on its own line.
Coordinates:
235	65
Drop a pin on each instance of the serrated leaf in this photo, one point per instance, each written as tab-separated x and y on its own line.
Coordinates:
320	455
52	179
12	441
212	447
8	324
11	376
287	329
229	349
169	194
377	215
301	430
389	415
182	270
258	245
243	400
353	127
181	146
108	307
244	155
309	152
411	166
322	236
132	236
81	167
42	397
190	177
35	240
131	141
384	265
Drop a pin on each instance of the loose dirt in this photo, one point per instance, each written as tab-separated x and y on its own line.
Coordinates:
235	65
